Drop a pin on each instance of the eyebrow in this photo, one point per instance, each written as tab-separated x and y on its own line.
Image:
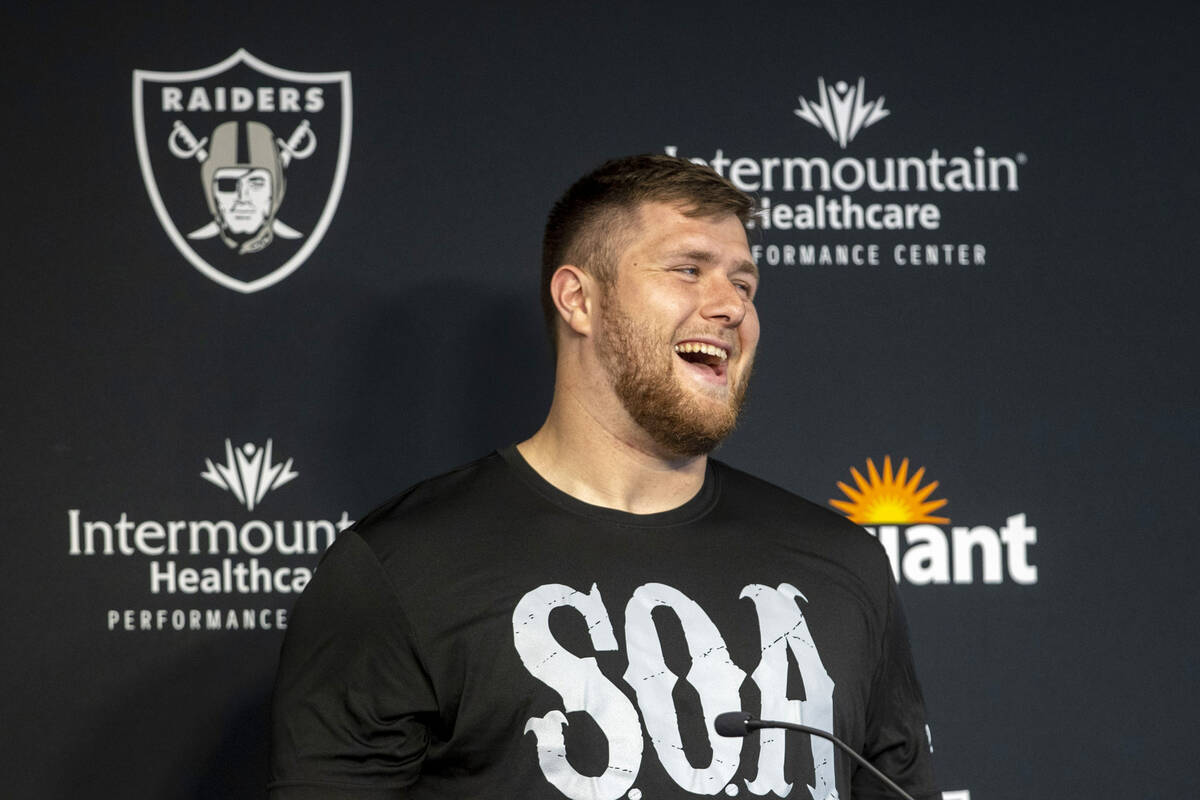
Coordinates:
748	267
709	257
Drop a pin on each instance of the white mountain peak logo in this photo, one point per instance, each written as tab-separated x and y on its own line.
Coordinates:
248	472
841	110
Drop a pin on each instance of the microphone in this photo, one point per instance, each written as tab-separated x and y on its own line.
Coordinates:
734	723
740	723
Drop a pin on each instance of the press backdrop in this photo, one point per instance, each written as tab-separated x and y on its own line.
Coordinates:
1012	310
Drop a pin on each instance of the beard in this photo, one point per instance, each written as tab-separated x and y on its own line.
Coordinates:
640	366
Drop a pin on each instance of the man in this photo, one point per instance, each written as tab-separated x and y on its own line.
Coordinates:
565	618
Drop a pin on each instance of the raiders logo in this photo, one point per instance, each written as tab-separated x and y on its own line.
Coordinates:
244	163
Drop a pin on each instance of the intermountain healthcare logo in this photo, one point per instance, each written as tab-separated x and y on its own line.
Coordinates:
841	110
883	502
896	200
217	146
214	561
248	472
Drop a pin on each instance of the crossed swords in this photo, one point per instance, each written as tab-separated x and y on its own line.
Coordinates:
300	145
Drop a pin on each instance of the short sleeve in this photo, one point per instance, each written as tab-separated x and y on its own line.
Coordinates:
351	699
896	742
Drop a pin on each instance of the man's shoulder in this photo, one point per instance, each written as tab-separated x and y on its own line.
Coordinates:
775	507
770	495
460	491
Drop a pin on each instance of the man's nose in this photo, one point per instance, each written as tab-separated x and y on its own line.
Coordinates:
723	302
243	189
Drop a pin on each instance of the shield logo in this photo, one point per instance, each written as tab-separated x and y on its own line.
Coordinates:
244	163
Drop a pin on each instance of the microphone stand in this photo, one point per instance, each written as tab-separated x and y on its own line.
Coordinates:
740	723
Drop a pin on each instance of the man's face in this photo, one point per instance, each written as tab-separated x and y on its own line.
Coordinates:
243	197
678	328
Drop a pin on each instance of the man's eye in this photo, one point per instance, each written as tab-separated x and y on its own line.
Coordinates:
746	289
688	270
227	184
257	183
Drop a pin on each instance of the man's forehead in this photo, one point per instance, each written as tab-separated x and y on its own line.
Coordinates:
667	230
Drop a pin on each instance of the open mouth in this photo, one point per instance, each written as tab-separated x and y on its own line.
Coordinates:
710	360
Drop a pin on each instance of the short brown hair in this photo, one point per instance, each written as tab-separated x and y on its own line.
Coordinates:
590	224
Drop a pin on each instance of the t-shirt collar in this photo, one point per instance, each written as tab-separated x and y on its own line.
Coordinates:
699	505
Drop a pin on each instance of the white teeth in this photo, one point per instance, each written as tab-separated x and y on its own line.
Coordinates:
700	347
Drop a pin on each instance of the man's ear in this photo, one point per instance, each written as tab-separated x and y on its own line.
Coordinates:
574	294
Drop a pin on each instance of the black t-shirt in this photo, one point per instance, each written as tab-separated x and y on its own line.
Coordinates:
485	635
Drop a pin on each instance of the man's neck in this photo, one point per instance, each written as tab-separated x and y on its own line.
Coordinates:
609	463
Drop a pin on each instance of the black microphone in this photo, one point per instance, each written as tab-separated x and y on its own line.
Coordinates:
740	723
734	723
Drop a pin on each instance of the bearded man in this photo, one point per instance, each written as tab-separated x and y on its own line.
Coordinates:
567	617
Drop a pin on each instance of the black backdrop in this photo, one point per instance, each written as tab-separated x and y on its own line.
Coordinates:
1056	380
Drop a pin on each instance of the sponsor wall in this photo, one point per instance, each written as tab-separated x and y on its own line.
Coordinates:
268	266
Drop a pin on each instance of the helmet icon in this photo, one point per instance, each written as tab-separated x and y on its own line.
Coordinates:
243	183
242	175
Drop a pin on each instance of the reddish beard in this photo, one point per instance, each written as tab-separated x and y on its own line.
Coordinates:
640	366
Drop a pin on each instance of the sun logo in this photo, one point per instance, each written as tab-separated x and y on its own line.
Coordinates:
889	499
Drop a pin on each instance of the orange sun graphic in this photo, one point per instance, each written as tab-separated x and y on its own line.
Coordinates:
889	499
